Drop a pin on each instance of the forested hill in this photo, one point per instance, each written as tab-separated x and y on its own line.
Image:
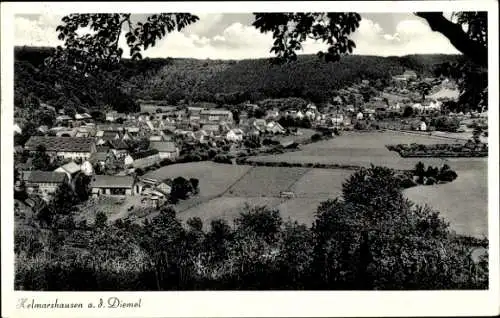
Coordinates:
225	81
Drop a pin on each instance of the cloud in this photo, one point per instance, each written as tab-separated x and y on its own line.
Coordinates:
411	36
36	30
238	41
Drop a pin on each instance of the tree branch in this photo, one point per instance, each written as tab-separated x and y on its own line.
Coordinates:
477	52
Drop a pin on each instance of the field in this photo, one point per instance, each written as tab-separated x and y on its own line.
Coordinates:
214	178
226	189
267	181
463	202
361	149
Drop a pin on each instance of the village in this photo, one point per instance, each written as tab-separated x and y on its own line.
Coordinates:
114	153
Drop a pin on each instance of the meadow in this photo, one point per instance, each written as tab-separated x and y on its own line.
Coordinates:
226	189
361	149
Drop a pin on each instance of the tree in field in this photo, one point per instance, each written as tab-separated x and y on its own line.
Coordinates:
180	189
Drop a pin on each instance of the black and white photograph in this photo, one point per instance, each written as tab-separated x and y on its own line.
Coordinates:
282	150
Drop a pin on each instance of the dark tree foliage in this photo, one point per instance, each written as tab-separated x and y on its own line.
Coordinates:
290	30
41	160
369	238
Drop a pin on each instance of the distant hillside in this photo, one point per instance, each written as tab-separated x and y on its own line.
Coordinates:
223	82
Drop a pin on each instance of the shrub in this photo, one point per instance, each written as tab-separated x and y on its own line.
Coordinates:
316	137
430	181
447	175
408	111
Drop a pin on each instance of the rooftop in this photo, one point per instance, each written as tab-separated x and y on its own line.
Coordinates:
163	146
143	154
102	181
46	177
61	144
71	167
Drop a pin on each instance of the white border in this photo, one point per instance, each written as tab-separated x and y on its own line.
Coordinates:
256	304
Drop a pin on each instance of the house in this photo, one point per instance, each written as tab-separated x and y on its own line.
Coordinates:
118	147
212	129
87	168
359	116
128	135
422	126
216	115
152	184
155	138
82	134
272	113
83	116
107	136
132	128
166	149
63	119
406	76
44	183
43	129
201	136
110	127
101	156
275	128
112	185
260	124
299	115
17	129
65	147
66	132
235	135
142	159
70	169
112	116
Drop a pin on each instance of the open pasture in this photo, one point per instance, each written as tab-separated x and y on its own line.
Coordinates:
321	183
215	178
266	181
463	202
358	149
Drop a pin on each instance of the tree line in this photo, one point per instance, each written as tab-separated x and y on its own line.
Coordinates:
370	238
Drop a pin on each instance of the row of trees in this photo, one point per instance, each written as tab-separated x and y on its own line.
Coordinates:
371	238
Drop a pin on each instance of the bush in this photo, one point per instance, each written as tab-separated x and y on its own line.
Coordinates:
408	111
407	183
447	176
316	137
430	181
220	158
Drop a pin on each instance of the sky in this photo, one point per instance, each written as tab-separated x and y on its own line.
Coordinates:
231	36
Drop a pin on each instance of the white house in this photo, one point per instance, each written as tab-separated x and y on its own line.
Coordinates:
299	115
70	169
235	135
17	129
423	126
275	128
359	116
87	168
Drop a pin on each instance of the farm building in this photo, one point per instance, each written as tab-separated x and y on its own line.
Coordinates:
216	115
44	183
70	169
166	149
112	185
275	128
234	135
142	159
65	147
